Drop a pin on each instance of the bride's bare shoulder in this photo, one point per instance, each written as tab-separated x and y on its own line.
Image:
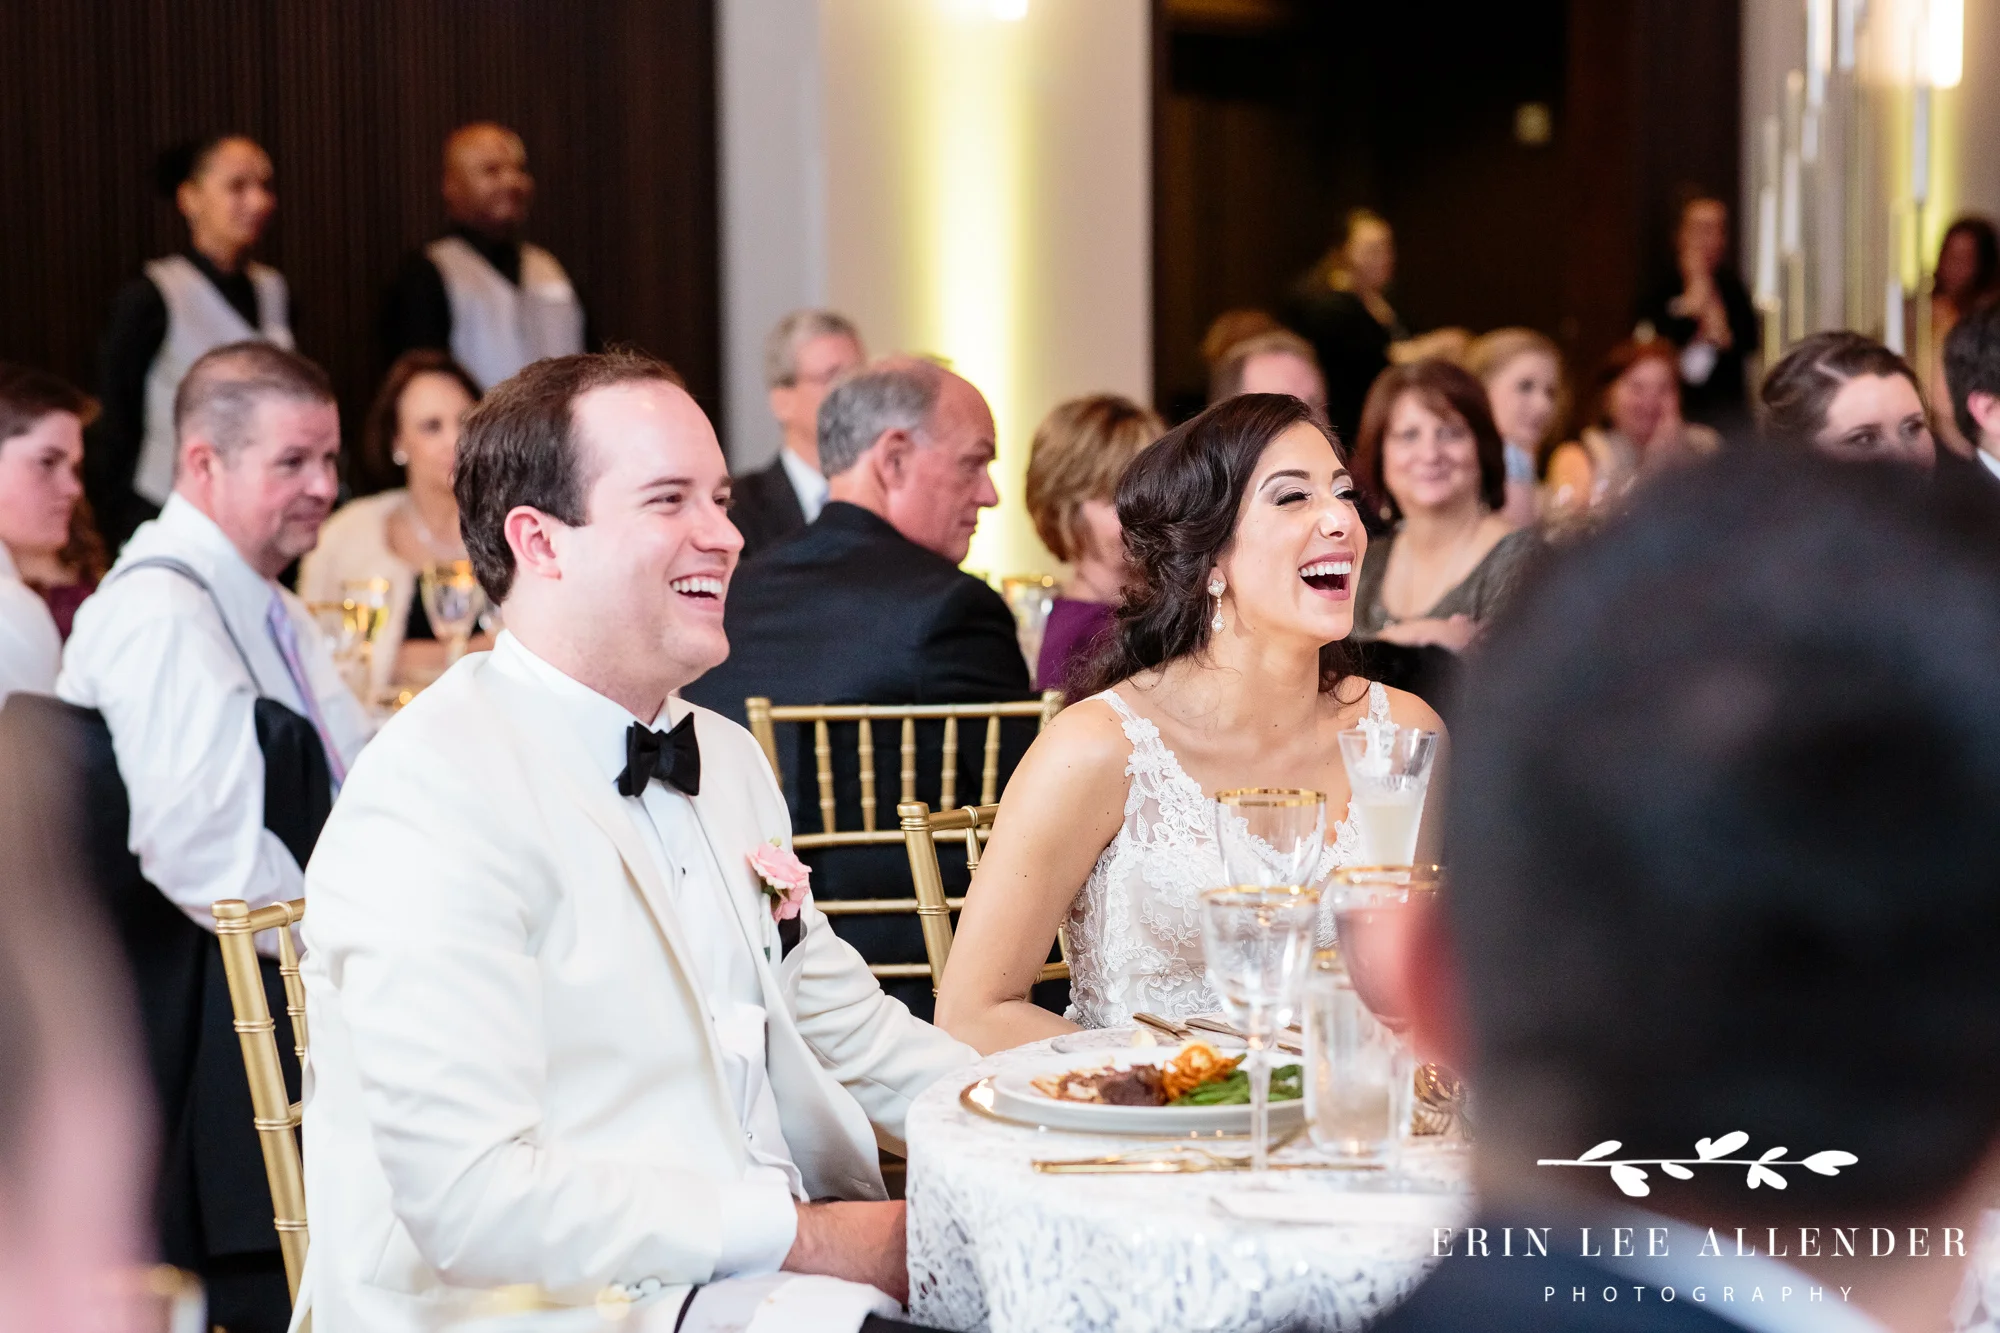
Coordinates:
1087	739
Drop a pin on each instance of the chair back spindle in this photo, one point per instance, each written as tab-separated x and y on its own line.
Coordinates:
276	1116
764	718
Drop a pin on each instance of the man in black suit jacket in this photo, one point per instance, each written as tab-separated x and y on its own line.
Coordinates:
868	605
806	352
1972	375
1723	870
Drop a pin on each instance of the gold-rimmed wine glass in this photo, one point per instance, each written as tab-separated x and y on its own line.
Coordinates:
453	600
1270	836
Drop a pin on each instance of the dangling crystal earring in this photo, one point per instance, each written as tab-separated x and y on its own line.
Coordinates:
1215	587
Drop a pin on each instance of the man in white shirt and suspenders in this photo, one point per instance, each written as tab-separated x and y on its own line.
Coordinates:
479	291
195	657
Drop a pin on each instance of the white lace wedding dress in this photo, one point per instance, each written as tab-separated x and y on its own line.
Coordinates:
1134	933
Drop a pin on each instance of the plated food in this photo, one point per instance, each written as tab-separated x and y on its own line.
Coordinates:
1197	1075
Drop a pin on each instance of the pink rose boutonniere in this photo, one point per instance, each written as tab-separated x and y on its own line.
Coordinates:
786	878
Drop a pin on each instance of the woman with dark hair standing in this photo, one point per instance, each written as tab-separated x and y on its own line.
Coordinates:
1432	464
1850	398
1227	670
410	442
185	304
1967	277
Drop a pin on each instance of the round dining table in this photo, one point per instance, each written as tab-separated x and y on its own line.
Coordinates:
997	1243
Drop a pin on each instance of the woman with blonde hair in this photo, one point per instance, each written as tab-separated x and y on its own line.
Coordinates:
1522	372
1081	449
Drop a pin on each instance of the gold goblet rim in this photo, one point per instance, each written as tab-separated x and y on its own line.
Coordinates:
1254	892
1271	797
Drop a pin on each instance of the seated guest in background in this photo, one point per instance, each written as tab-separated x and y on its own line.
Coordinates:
1431	463
75	1142
182	650
1967	277
1275	362
1636	430
1522	372
479	291
1713	880
1848	397
806	352
209	294
1972	375
409	442
1704	310
1229	669
1080	451
49	557
869	606
1224	332
544	876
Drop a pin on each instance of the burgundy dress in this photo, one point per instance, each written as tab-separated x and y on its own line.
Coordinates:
1068	640
64	601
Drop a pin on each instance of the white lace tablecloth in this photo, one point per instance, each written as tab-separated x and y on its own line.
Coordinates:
996	1245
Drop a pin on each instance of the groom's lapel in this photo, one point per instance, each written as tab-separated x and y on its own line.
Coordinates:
548	734
722	824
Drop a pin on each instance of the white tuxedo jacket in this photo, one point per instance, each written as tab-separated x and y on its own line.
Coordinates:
513	1073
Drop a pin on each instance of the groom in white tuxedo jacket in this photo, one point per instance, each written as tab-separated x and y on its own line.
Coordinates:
559	1036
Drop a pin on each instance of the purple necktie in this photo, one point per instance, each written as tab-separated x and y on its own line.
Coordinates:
286	635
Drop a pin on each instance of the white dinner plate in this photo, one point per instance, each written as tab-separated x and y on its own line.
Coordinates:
1016	1098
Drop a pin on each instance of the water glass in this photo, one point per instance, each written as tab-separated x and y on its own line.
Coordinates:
1256	943
453	601
1357	1075
1270	837
1388	772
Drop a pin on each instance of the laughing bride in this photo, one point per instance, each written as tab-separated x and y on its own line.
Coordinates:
1228	670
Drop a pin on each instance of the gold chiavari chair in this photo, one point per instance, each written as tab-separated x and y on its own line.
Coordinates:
277	1116
921	828
764	718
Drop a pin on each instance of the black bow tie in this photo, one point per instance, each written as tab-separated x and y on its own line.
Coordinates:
674	757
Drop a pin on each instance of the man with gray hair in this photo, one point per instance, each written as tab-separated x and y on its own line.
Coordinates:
868	606
198	661
806	353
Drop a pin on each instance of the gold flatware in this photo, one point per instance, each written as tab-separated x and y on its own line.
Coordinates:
1164	1026
1222	1029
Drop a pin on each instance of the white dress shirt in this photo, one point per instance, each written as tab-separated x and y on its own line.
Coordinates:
150	654
759	1221
30	644
808	483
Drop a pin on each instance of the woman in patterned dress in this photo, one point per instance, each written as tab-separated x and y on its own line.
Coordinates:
1227	670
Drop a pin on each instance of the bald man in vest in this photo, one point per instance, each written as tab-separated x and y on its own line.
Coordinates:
479	291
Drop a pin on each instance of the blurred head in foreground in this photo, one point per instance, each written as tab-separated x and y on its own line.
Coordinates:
73	1145
1722	848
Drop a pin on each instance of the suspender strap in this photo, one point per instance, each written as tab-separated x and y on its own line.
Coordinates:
181	568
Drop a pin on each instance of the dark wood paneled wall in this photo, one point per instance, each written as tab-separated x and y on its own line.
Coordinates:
1275	117
615	99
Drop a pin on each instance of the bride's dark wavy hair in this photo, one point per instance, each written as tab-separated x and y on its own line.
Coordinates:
1178	504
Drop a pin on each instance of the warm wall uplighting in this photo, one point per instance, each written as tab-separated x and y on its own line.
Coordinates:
970	181
1944	43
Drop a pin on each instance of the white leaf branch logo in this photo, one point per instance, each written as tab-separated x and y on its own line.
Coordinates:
1628	1175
